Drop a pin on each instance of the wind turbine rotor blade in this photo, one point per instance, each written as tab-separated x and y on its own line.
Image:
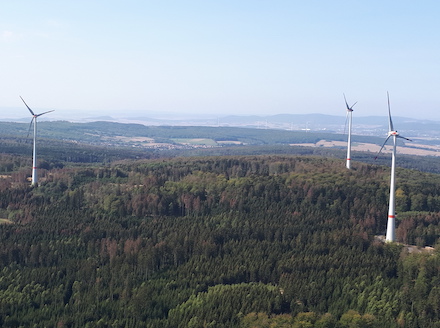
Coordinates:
353	105
346	121
30	127
399	136
391	127
346	103
377	155
27	106
45	112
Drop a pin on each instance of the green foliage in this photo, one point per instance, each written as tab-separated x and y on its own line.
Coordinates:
352	319
263	320
235	241
233	300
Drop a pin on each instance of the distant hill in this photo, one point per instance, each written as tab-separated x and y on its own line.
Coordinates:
104	131
104	141
362	125
171	136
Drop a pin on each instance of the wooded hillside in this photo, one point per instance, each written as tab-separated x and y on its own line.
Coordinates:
230	241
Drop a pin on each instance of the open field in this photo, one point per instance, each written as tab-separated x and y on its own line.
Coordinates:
195	141
421	150
133	139
229	142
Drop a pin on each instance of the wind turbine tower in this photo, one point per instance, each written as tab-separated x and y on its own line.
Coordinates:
349	119
391	224
34	160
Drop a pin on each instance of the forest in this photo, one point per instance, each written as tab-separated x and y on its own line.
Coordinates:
276	240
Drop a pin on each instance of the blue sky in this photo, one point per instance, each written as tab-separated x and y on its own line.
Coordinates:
215	58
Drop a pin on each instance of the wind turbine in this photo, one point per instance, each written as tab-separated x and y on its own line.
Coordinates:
391	224
349	119
34	161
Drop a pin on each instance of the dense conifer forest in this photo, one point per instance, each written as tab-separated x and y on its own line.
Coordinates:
216	241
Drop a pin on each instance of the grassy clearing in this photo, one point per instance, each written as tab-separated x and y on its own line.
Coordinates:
5	221
195	141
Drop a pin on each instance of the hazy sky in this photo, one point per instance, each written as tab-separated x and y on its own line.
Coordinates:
221	57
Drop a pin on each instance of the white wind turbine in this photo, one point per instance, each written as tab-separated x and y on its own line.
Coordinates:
34	161
349	119
391	224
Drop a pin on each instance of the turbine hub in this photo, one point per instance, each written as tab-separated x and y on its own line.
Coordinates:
393	133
